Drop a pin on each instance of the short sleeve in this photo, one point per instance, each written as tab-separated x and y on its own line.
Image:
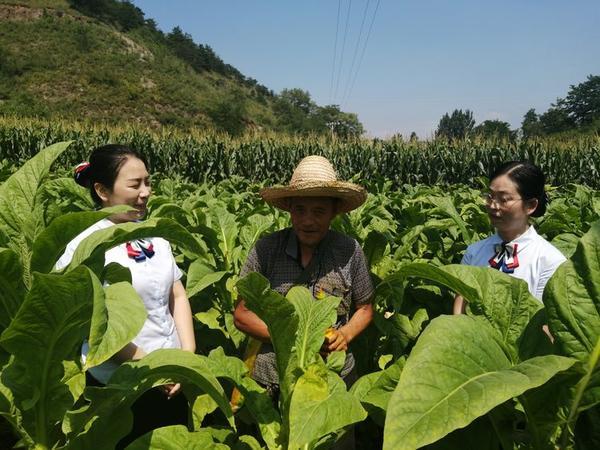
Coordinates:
177	273
467	257
552	261
362	285
252	263
65	259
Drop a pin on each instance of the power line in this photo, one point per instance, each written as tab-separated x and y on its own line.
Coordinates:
337	83
363	50
362	24
337	26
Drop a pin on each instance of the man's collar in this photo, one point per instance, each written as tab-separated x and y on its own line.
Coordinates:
292	248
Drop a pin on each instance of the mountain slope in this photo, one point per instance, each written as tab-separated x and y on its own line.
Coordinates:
58	62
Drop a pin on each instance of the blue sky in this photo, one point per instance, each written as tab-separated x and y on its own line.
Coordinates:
423	58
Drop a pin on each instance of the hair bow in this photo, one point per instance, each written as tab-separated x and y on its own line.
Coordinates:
81	168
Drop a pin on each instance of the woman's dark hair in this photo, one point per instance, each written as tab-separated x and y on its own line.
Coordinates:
530	181
104	166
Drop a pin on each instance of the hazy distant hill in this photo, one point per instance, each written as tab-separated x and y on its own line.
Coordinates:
114	65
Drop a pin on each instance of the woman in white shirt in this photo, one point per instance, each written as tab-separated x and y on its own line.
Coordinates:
516	193
117	175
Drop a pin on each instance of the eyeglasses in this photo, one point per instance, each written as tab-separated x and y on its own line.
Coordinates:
502	200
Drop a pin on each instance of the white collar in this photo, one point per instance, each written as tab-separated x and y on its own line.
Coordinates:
523	239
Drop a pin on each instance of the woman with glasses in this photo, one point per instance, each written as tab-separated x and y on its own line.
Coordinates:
516	193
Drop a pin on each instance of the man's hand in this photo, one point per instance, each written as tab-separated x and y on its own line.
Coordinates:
171	389
335	341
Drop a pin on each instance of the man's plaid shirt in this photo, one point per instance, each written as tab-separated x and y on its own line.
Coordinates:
342	272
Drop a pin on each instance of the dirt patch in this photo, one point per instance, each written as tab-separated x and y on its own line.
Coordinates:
15	12
18	12
133	47
147	83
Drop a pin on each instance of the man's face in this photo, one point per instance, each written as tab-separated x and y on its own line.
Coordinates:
311	217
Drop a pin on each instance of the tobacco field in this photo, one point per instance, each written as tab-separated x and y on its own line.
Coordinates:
490	379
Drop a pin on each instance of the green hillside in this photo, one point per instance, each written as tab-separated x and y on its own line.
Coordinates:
59	62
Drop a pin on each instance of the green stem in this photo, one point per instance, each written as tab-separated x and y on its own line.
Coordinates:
581	386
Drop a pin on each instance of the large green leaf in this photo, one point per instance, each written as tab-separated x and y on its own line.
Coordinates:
254	227
200	276
297	325
279	315
116	320
256	399
45	335
20	213
402	328
547	408
477	435
503	300
13	290
566	243
227	231
176	437
572	299
375	390
374	247
457	372
314	317
51	242
317	409
11	413
107	417
444	205
94	246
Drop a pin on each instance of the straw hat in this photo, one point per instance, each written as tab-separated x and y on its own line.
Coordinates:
315	177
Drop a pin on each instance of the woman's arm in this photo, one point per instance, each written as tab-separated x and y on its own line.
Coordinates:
459	305
182	315
249	323
129	353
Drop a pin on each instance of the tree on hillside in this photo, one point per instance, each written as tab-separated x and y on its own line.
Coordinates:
121	13
297	113
458	125
494	129
228	113
201	59
339	123
556	119
531	126
293	108
298	99
582	103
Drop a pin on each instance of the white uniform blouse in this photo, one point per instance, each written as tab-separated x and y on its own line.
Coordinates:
538	258
153	280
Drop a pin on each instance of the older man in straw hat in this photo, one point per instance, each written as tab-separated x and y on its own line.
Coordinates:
310	254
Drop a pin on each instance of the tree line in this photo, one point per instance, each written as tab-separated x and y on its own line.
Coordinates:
577	113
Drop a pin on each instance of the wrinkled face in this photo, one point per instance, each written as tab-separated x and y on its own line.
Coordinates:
311	217
132	187
506	208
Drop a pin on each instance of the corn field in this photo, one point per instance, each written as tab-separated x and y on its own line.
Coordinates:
202	157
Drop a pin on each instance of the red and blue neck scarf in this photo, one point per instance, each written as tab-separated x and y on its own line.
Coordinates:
505	257
140	249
